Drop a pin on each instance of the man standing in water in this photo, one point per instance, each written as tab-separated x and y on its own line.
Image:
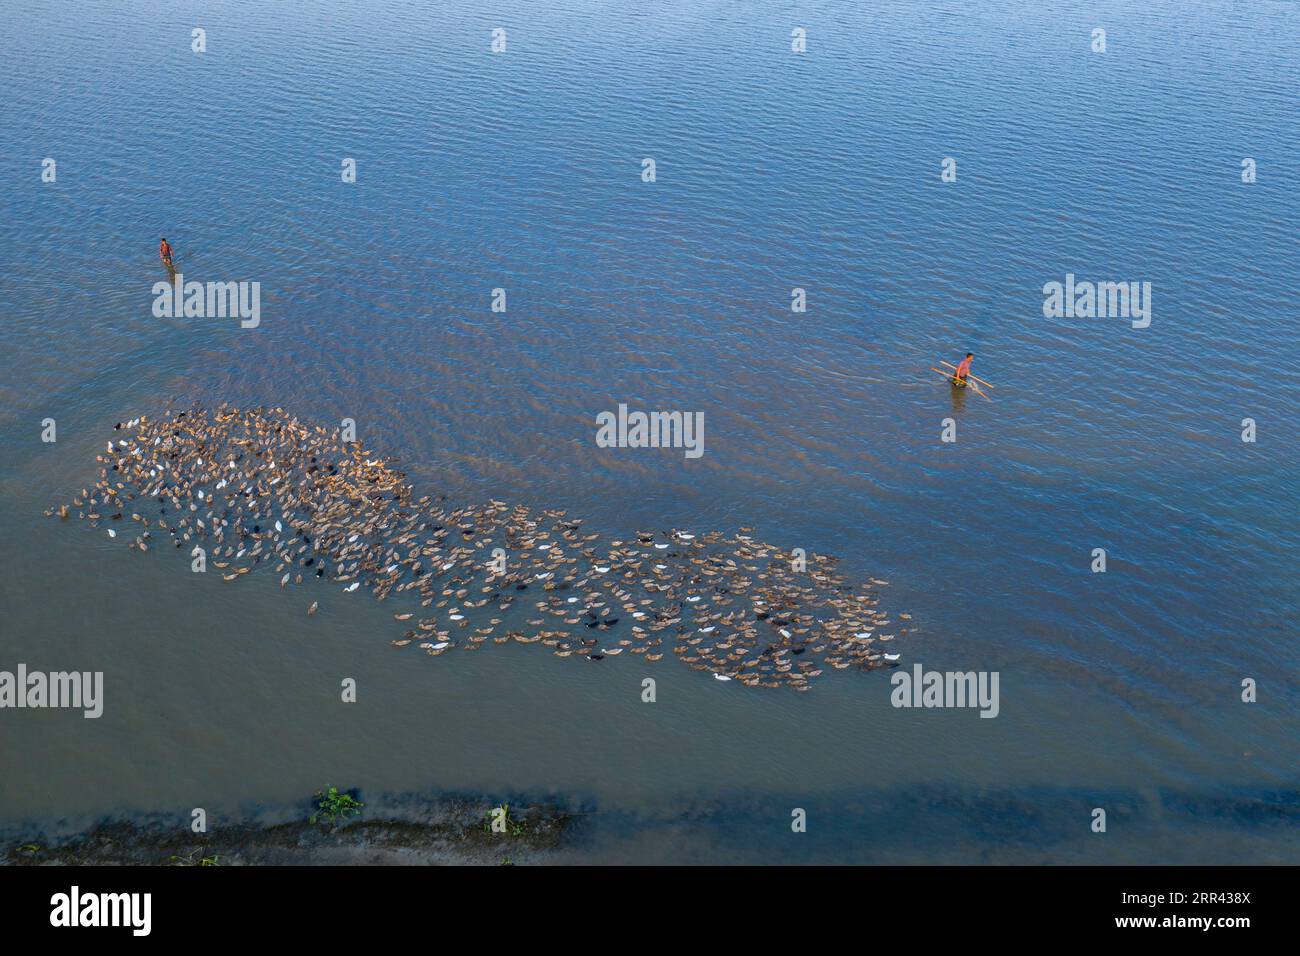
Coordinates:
165	251
963	369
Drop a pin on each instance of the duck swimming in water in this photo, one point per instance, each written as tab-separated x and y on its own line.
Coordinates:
259	486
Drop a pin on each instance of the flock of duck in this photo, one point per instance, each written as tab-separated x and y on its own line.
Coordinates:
259	488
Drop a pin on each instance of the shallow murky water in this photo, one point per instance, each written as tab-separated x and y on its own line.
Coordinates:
522	171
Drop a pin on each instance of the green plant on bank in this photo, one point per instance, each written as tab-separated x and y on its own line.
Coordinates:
193	859
508	824
506	861
332	805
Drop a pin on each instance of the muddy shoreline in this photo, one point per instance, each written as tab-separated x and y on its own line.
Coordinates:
445	831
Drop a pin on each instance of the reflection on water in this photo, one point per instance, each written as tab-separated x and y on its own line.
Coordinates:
775	171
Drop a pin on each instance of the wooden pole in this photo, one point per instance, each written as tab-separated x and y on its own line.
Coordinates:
980	380
951	380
